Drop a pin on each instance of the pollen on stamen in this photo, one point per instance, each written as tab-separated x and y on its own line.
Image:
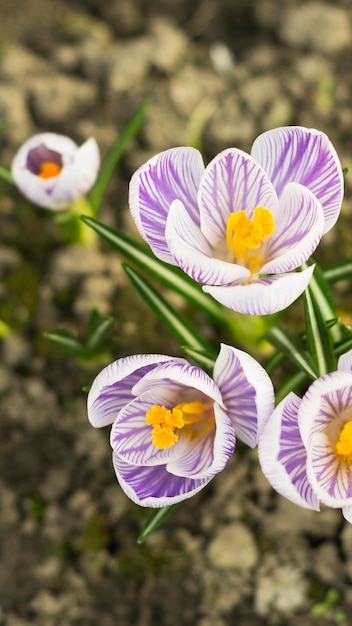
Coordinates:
244	234
343	446
48	169
164	423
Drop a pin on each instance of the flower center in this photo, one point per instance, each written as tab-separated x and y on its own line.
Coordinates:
243	235
343	446
165	422
48	169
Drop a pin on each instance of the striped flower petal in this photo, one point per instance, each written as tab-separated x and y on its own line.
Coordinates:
232	182
193	254
209	451
299	227
111	389
329	477
282	455
268	294
154	486
247	392
344	363
131	436
169	175
305	156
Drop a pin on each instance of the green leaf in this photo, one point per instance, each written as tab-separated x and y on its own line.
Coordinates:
173	319
345	171
65	340
318	335
169	275
292	383
291	344
6	176
319	289
100	325
341	271
204	359
157	518
114	156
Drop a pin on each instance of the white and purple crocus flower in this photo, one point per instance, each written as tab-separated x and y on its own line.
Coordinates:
52	171
305	447
241	225
173	426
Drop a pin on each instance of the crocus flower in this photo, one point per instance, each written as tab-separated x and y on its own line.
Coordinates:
241	225
51	170
173	427
305	447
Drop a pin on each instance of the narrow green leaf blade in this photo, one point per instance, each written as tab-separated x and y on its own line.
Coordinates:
114	156
177	323
6	176
98	334
342	271
318	335
288	342
157	518
63	339
169	275
204	359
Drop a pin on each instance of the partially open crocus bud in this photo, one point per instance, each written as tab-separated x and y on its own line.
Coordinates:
51	170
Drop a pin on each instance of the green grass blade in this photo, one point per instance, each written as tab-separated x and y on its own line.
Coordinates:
6	176
114	156
288	342
157	518
169	275
181	327
318	336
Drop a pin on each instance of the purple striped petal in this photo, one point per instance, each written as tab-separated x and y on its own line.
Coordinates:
305	156
111	389
330	478
154	486
233	181
193	254
131	437
209	450
344	363
247	392
169	175
187	377
263	296
325	401
299	227
283	457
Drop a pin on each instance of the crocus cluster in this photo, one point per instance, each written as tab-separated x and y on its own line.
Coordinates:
173	426
241	225
52	171
305	447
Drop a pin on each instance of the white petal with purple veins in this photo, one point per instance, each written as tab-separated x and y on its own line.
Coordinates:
247	392
299	227
111	389
154	486
169	175
232	182
344	363
330	478
282	455
264	296
305	156
193	254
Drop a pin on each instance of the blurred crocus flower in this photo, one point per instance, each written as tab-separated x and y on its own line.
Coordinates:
52	171
173	426
305	448
241	225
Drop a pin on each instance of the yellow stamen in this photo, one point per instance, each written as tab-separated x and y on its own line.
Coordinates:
49	169
165	422
343	446
244	234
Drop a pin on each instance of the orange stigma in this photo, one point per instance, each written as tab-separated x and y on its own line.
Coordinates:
165	421
49	169
244	235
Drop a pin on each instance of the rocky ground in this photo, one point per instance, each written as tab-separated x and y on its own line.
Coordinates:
219	72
